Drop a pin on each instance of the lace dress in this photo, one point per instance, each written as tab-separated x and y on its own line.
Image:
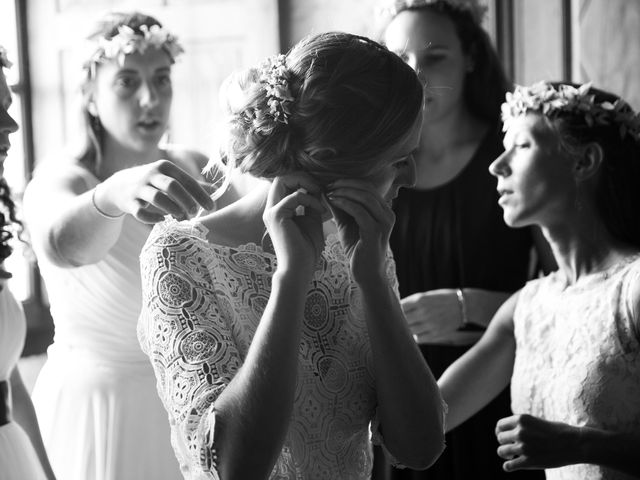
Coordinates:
201	306
578	357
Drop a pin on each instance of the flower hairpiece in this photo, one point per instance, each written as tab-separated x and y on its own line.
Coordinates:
544	98
472	7
274	79
128	41
4	60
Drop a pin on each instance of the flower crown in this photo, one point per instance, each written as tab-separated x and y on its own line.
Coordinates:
128	41
472	7
274	77
544	98
4	61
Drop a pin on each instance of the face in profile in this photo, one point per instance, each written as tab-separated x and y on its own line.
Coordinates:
7	124
133	100
427	41
535	179
397	167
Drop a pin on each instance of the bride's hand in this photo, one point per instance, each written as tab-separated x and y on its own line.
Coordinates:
297	240
364	221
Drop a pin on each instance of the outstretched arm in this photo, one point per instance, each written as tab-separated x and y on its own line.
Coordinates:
74	225
477	377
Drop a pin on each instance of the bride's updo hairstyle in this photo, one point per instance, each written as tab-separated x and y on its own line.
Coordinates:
330	107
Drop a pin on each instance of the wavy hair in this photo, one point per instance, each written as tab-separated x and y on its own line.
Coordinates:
352	99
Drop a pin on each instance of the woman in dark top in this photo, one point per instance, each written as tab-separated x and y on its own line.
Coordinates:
456	259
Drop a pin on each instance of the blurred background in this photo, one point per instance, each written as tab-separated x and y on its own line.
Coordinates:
576	40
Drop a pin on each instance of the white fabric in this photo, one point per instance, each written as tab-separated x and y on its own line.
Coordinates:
18	458
578	357
99	412
201	306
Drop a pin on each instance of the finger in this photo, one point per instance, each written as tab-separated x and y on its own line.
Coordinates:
509	451
289	205
371	200
507	423
507	436
189	184
176	192
162	202
355	210
518	463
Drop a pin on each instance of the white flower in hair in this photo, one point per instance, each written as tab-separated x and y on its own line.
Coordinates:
274	77
544	98
475	8
128	41
4	60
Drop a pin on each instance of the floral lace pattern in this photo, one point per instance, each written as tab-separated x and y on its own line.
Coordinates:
201	306
578	357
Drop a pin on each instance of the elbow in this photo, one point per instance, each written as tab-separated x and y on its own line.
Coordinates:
431	451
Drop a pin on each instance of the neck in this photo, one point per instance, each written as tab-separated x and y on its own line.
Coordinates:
449	131
583	247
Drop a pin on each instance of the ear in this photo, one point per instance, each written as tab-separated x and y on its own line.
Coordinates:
588	162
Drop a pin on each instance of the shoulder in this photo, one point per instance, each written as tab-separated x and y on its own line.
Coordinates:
190	160
173	234
63	170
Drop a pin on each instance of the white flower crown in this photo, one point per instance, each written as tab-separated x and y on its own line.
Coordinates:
473	7
544	98
4	60
128	41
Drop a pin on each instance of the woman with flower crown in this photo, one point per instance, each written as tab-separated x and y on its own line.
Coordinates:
89	213
274	324
569	342
456	259
22	453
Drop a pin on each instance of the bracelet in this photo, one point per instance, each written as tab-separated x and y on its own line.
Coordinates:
463	308
97	209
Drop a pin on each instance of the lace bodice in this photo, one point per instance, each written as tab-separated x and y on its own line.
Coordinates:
578	356
201	306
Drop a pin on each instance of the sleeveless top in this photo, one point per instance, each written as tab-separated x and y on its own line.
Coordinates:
96	307
578	356
202	304
454	235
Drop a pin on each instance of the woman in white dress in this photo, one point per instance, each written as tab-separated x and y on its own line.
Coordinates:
22	453
569	342
89	214
274	324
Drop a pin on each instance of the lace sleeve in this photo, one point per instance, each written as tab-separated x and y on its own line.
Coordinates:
189	341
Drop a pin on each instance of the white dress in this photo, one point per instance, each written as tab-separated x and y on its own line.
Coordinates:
95	397
578	357
201	306
18	458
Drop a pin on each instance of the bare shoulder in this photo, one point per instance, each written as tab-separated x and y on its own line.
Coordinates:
64	175
193	161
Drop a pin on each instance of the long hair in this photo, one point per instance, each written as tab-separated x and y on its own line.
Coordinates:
486	84
9	223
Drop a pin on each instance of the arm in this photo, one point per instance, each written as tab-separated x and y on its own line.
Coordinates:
528	442
25	416
64	214
477	377
438	316
410	408
249	402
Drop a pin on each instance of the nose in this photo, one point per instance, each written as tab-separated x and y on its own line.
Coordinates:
7	123
500	166
148	95
407	176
